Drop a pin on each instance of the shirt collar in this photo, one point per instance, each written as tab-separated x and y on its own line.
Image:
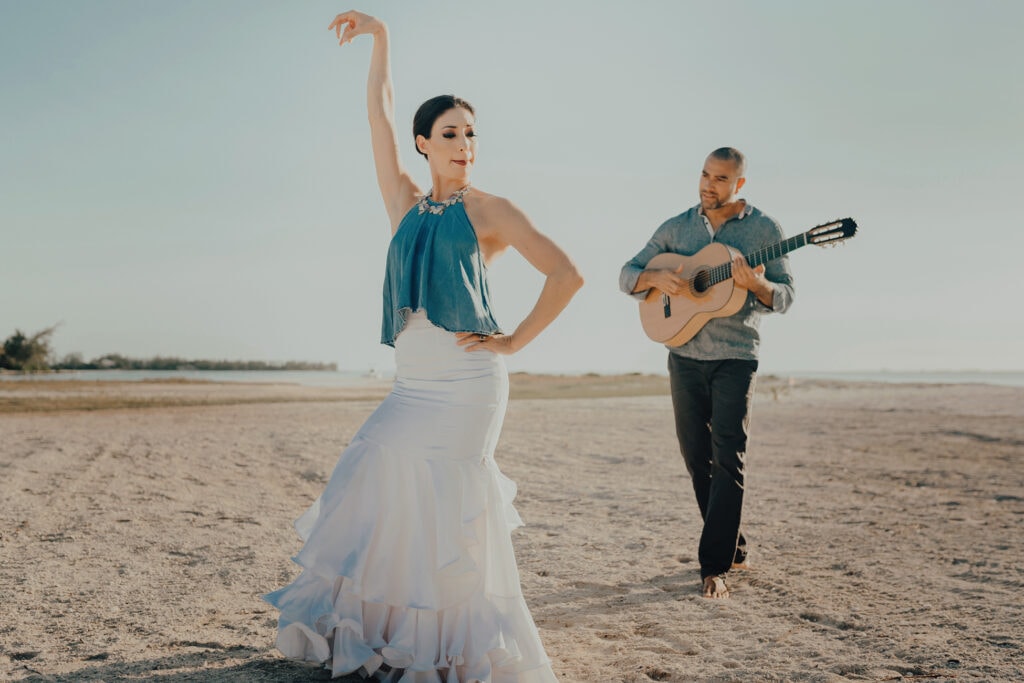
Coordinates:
744	212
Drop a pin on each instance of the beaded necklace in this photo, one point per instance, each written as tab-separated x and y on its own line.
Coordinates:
437	208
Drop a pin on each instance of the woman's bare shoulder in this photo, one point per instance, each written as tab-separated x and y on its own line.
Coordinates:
491	209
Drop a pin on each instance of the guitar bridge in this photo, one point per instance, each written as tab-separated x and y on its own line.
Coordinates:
666	304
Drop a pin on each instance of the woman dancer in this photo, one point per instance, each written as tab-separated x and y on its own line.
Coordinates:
408	568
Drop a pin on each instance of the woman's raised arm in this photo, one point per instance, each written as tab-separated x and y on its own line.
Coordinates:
397	187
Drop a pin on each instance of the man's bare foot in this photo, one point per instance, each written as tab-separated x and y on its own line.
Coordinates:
714	587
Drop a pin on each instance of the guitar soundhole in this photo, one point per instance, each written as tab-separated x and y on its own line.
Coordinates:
701	282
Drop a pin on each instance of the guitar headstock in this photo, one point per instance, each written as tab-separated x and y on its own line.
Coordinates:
832	233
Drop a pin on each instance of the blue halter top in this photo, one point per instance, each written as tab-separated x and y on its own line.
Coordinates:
434	265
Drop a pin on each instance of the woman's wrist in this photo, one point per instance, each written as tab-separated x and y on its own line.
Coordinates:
510	342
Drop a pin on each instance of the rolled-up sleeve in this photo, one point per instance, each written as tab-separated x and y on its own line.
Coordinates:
782	299
630	272
778	273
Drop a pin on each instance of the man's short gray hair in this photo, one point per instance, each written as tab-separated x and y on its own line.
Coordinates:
731	154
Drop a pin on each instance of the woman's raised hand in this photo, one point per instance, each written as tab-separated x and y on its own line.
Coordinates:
348	25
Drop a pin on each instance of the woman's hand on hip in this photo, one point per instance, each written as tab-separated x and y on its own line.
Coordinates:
495	343
348	25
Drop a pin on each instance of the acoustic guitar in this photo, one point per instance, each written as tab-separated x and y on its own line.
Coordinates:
674	320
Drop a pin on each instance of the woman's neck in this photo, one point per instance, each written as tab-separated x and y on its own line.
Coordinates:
446	187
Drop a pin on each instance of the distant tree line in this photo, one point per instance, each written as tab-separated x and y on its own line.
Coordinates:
115	361
24	353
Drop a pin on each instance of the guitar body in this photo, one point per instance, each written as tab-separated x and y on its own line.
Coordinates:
674	320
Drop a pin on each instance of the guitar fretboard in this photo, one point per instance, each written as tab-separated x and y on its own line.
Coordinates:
723	272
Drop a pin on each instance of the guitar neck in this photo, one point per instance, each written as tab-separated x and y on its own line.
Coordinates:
764	255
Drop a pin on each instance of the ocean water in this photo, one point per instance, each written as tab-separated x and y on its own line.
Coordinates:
316	378
1010	378
1014	378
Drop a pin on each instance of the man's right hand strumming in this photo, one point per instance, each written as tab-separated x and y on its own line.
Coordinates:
663	280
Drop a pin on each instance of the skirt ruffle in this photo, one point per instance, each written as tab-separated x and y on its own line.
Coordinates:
408	559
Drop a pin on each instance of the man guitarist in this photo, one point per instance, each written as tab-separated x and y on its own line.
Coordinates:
712	375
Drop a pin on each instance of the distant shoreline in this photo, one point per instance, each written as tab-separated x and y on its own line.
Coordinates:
339	378
61	393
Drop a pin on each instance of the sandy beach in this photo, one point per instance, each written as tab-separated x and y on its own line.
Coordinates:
141	522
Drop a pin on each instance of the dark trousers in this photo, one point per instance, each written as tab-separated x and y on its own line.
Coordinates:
711	401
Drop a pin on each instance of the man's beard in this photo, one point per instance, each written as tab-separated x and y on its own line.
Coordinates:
711	204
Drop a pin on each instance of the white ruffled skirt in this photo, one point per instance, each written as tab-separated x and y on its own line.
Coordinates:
408	569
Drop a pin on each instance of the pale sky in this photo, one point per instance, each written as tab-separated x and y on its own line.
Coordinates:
194	178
